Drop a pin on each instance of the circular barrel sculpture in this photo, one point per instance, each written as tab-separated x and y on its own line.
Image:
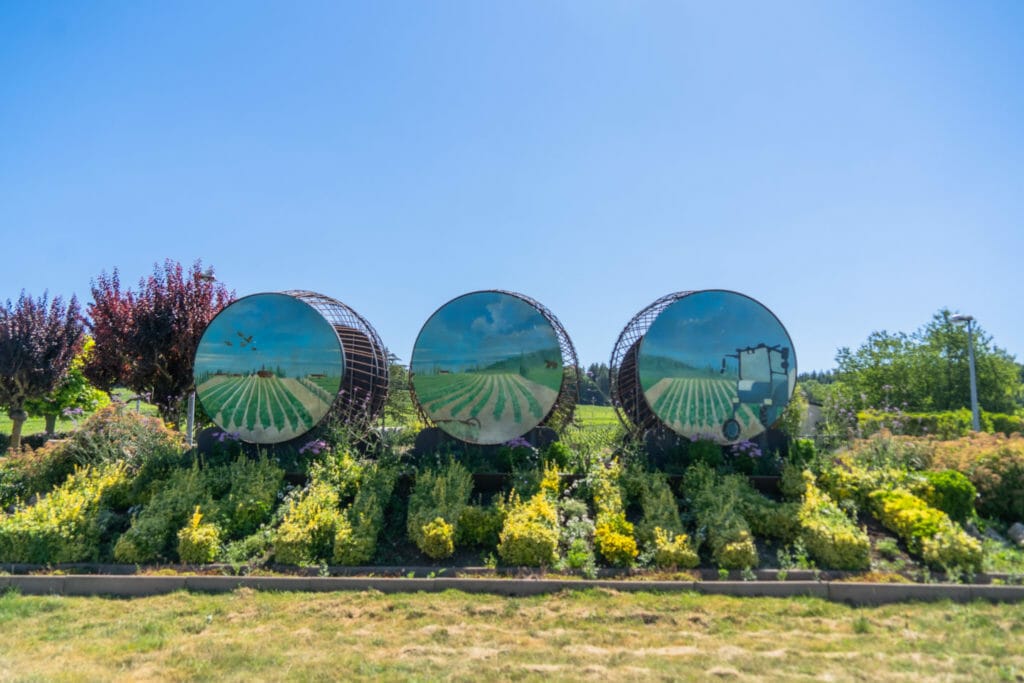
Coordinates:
489	366
271	366
704	364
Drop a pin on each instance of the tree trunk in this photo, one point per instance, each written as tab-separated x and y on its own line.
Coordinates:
18	418
51	425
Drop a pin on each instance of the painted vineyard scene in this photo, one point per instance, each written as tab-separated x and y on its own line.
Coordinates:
717	364
268	368
487	367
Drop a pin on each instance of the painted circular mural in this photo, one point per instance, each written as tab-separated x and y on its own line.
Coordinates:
717	364
487	367
268	368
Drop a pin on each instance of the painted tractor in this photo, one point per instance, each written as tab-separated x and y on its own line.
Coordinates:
762	380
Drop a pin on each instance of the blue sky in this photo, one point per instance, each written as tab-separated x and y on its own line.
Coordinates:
854	166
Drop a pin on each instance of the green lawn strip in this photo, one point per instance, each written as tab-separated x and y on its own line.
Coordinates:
304	415
459	391
238	415
430	389
499	402
485	397
281	395
479	383
252	411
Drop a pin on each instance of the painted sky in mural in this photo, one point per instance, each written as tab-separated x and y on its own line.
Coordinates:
719	364
487	367
268	368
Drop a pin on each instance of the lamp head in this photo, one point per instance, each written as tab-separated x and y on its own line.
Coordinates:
961	318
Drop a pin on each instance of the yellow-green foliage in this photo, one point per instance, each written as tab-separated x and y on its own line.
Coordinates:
927	531
438	539
674	550
661	511
740	553
438	495
198	542
529	536
355	540
64	525
306	534
831	538
613	535
479	526
772	519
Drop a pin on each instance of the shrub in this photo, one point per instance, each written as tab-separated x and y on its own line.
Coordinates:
559	455
307	532
356	542
717	505
479	526
66	524
529	536
251	494
438	495
153	533
949	491
674	551
613	535
828	534
927	531
198	542
577	536
995	465
660	510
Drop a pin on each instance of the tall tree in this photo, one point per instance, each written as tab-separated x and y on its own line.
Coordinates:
38	340
928	370
72	395
147	339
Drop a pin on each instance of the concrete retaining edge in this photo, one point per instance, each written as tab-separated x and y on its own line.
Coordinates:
837	591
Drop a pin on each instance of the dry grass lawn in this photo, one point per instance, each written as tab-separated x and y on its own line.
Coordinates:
589	634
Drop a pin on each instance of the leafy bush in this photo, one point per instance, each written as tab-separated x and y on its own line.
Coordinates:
307	532
660	510
66	524
577	536
828	534
198	542
530	533
717	505
109	435
613	535
356	542
529	536
438	496
927	531
995	465
674	551
559	455
949	491
479	526
153	533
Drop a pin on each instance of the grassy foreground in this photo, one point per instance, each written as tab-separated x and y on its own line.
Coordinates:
580	634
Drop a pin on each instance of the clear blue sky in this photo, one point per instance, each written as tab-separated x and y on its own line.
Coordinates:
853	166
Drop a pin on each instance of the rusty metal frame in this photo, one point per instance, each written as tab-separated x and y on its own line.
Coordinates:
627	395
561	413
364	387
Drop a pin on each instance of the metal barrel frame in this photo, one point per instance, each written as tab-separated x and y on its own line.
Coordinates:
627	395
364	387
562	410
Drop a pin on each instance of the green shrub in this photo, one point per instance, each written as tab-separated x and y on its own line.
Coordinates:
560	455
831	538
999	478
307	532
251	495
154	530
949	491
674	551
529	535
66	524
613	535
438	495
479	526
927	531
660	510
717	504
198	542
438	539
355	543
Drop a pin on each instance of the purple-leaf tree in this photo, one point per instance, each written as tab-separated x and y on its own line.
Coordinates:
146	339
38	340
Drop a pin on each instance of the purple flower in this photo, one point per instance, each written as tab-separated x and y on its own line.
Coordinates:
518	442
314	447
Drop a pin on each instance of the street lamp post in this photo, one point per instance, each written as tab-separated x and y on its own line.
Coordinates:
969	319
190	422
